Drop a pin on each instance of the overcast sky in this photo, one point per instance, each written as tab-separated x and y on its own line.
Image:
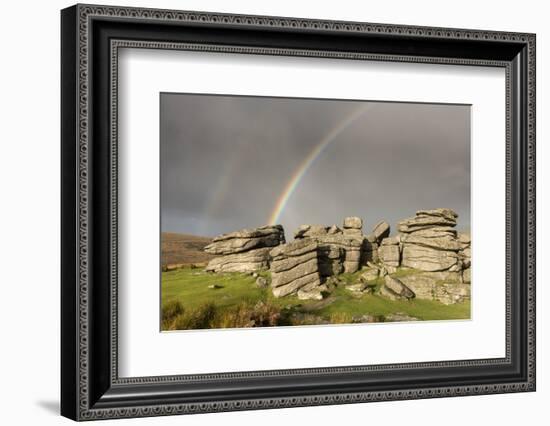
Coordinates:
226	160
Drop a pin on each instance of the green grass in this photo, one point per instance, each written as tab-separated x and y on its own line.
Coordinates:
188	302
372	304
190	288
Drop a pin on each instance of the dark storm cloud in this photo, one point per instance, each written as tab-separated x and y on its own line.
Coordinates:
225	161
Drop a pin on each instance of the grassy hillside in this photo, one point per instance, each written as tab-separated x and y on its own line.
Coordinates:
183	249
192	298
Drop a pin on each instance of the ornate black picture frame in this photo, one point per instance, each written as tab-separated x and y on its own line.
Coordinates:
90	38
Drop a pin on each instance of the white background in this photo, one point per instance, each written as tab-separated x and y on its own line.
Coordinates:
29	225
140	343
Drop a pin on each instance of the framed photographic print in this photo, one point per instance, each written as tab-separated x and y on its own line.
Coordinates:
263	212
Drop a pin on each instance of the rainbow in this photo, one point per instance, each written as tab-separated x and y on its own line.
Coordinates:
301	170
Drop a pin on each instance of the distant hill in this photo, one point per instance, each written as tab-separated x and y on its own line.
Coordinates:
183	249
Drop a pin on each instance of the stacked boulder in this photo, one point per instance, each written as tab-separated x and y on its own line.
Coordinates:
389	253
394	289
380	231
442	286
372	242
353	226
340	250
429	241
246	250
294	270
465	254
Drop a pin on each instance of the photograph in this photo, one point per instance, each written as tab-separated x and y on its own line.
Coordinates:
280	211
268	208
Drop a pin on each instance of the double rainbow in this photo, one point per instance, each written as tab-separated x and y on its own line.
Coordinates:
304	166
